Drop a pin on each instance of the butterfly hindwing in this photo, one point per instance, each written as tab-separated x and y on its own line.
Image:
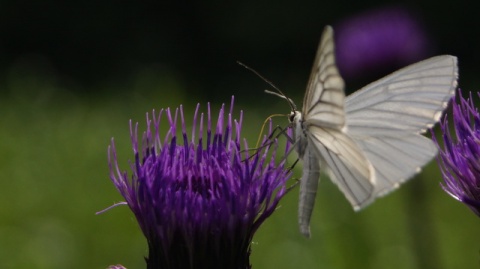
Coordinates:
349	169
386	118
396	158
411	99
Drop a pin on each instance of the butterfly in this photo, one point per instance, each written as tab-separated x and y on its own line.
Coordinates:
370	141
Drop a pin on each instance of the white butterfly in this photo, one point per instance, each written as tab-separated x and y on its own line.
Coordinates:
371	140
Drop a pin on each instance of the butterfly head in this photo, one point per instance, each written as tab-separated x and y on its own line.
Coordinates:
295	116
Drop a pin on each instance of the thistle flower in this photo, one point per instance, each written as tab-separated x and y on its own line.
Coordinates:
199	204
459	161
379	38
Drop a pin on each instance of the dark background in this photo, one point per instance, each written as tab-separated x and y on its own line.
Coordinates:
88	43
73	73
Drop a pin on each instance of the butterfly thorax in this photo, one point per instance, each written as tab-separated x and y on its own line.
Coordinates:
299	135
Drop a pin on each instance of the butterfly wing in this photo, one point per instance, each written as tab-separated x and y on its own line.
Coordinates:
386	118
323	103
324	123
347	166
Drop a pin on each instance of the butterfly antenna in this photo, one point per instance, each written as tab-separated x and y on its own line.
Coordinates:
279	93
292	105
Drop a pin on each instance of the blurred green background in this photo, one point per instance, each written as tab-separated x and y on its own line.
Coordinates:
73	73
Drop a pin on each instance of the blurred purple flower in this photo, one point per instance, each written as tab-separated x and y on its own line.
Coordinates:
459	161
199	204
378	39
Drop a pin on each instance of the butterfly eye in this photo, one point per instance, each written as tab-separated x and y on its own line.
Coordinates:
291	117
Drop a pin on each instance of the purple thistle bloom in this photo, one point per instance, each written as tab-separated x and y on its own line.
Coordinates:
377	39
199	204
459	161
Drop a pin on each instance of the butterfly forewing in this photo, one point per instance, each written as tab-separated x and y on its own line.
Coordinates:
323	103
324	120
322	132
